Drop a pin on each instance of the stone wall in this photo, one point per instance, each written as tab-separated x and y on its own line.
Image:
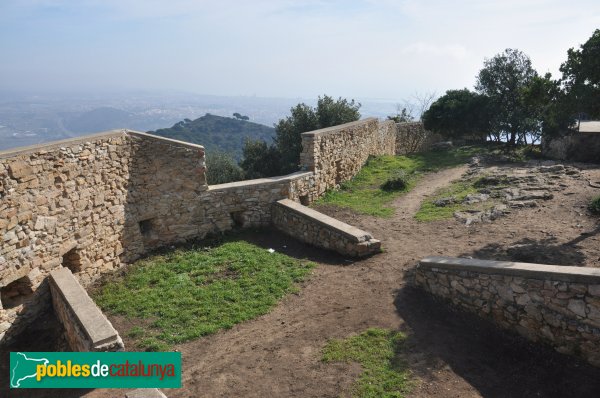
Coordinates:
320	230
86	328
90	204
411	137
336	154
94	203
556	305
248	203
579	147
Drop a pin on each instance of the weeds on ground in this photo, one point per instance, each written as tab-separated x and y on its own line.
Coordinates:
367	194
458	192
595	205
385	373
189	293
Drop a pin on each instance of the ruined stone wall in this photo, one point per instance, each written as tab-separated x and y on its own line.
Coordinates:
556	305
248	203
579	147
89	204
411	137
336	154
317	229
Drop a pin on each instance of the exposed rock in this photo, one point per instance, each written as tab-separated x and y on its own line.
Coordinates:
476	198
443	202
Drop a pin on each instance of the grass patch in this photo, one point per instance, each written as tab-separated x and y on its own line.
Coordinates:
595	205
366	193
190	293
458	190
385	374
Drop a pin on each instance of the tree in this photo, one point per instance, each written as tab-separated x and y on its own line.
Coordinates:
240	117
581	78
402	115
459	114
222	168
303	118
503	80
260	159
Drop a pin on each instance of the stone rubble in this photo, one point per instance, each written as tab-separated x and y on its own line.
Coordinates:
510	187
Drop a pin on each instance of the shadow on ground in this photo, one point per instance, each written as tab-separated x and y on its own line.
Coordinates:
542	251
45	334
495	362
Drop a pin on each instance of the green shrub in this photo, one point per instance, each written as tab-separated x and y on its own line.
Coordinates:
222	168
398	182
595	205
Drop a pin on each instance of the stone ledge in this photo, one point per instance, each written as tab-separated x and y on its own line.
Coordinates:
79	313
259	181
61	143
352	233
528	270
340	127
91	137
164	139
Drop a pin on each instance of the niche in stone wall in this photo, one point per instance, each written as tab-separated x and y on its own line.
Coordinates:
146	227
16	293
304	200
238	218
72	260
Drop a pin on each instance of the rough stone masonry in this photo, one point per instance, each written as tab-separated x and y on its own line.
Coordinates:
94	203
555	305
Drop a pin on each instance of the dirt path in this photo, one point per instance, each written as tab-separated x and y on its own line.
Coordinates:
408	205
451	354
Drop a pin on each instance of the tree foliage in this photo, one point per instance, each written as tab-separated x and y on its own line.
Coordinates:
222	168
581	78
459	114
283	157
303	118
504	80
260	159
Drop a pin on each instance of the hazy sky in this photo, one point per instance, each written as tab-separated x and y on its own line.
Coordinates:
280	48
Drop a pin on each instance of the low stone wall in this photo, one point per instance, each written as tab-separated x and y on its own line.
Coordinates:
579	147
249	203
411	137
556	305
87	329
336	154
319	230
90	204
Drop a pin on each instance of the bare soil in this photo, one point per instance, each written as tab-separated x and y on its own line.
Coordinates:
451	353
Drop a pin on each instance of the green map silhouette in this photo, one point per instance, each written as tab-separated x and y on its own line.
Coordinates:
24	368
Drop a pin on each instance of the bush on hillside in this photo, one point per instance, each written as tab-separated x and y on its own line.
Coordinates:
222	168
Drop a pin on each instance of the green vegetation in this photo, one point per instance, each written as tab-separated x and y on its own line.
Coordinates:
222	168
595	205
385	374
365	194
190	293
514	104
284	154
458	191
218	133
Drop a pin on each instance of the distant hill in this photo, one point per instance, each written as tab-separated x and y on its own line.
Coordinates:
217	133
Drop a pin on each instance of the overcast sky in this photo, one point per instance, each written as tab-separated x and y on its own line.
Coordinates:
279	48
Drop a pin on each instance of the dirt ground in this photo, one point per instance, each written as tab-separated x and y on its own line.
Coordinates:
451	354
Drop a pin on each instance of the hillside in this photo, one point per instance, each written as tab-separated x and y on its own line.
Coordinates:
217	133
